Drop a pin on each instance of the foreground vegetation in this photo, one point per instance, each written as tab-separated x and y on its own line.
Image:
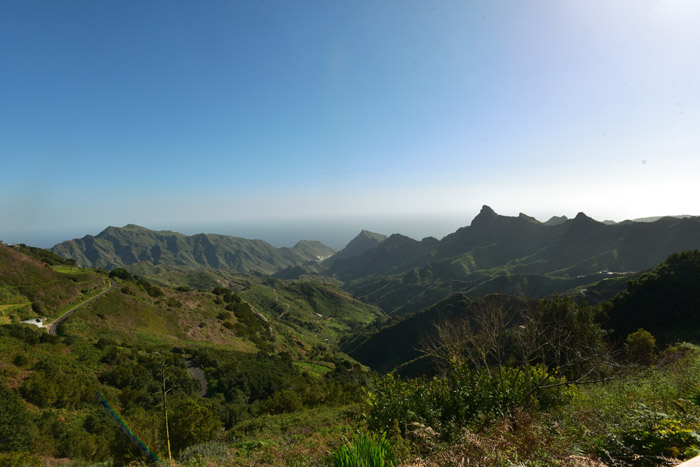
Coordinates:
518	382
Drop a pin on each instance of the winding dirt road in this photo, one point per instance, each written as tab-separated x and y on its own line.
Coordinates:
53	327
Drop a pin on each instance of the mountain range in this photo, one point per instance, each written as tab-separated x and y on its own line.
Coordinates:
495	253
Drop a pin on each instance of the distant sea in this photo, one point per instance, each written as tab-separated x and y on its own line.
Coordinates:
335	233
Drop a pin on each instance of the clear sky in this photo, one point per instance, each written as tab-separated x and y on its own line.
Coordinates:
306	117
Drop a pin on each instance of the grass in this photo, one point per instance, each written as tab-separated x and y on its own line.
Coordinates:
315	368
66	269
13	306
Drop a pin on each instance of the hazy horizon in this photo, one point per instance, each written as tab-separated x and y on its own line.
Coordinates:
245	114
335	233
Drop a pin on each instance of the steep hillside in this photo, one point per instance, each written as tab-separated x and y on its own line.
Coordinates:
132	245
312	311
665	301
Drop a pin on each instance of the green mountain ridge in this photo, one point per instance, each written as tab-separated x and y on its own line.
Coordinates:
507	253
364	241
131	245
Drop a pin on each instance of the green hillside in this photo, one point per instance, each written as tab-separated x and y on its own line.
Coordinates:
38	283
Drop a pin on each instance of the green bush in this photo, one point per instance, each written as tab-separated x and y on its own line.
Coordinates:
640	346
366	450
462	398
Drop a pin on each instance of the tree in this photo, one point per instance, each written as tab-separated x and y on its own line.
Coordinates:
192	422
496	335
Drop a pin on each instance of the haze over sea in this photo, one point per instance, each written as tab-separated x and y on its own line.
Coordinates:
335	233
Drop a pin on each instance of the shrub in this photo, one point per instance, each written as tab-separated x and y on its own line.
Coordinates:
21	360
284	401
121	273
365	450
640	346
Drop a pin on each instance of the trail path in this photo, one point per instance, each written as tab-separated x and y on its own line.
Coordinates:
53	327
286	310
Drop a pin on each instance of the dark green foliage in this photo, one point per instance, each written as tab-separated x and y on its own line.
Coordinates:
365	450
183	288
121	273
17	429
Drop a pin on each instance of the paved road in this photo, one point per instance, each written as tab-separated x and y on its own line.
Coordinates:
53	327
197	373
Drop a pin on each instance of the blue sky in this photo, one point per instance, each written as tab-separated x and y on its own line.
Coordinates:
256	118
